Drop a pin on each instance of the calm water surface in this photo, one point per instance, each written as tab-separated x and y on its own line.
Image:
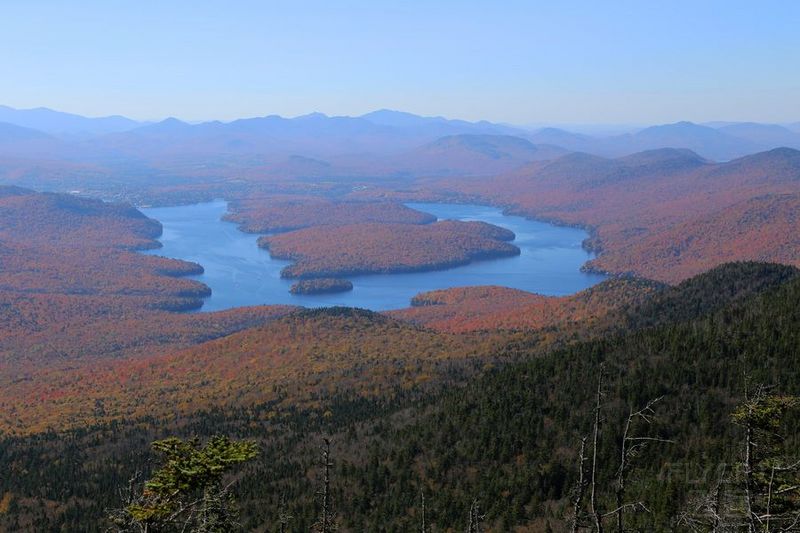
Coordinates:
239	273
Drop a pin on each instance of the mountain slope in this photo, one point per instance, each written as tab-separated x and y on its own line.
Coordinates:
510	434
767	135
708	142
471	155
20	141
65	124
642	208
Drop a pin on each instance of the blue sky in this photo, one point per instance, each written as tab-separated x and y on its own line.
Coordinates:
522	62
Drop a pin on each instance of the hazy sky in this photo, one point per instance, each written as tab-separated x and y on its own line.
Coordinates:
514	61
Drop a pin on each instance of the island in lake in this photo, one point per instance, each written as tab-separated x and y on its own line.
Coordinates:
334	251
321	286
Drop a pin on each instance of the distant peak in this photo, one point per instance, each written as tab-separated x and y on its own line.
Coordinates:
683	124
683	156
385	111
782	151
314	115
172	120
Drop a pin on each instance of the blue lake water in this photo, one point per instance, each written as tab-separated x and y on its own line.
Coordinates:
239	273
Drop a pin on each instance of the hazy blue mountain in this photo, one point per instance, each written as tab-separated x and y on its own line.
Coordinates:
13	133
438	126
168	125
65	124
316	134
471	154
706	141
576	142
379	134
18	141
767	135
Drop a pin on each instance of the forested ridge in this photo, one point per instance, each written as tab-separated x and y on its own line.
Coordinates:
372	248
507	437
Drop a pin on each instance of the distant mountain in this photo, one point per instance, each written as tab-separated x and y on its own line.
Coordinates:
315	135
14	133
719	144
794	127
767	135
666	160
18	141
708	142
438	126
383	142
169	125
664	214
65	124
475	154
571	141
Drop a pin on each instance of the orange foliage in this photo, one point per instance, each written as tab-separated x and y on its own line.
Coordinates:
71	289
61	244
491	308
321	285
69	221
764	228
664	214
5	502
298	359
379	248
285	213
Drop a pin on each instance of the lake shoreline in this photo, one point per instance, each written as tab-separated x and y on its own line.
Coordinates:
240	274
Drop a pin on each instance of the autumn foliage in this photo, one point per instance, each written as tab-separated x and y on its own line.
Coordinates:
295	360
664	214
321	285
330	251
74	292
464	309
285	213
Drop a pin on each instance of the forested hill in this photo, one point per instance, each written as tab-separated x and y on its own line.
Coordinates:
508	438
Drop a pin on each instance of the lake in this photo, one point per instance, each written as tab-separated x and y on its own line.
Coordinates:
240	273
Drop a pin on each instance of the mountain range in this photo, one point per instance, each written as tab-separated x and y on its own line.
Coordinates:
382	141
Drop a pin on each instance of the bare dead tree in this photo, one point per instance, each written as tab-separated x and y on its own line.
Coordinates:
596	514
747	464
475	517
705	514
770	483
326	524
631	446
580	488
283	515
130	494
422	501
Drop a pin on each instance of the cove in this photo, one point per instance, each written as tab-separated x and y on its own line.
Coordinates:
239	273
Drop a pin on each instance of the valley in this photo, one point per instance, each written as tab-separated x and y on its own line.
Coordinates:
391	267
499	291
240	273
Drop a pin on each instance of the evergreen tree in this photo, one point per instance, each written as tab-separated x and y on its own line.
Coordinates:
187	492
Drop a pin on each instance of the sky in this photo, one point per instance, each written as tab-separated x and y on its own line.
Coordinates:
521	62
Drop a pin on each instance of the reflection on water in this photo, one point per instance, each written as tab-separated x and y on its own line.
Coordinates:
239	273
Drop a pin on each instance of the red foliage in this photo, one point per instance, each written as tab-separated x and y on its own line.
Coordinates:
284	213
645	208
71	288
491	308
298	358
320	286
330	251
